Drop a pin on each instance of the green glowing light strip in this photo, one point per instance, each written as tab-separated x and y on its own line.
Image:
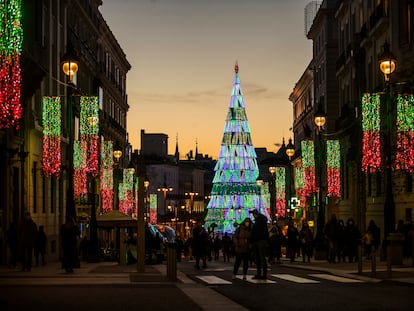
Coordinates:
308	154
371	112
405	113
333	154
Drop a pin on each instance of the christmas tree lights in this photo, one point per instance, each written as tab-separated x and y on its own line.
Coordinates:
333	159
404	159
235	192
281	191
371	148
11	38
107	176
52	119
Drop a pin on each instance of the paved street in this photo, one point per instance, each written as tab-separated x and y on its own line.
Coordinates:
108	286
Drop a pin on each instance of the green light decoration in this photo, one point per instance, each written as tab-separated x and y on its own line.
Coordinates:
371	148
89	131
404	158
107	176
333	160
235	192
280	191
308	163
11	39
79	169
51	121
125	193
299	179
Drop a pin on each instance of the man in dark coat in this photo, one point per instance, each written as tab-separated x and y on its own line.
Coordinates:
260	240
27	236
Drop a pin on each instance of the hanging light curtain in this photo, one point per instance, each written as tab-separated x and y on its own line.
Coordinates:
371	146
280	191
308	163
51	121
89	131
11	40
404	159
333	161
107	173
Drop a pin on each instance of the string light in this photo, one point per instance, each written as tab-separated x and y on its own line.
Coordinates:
89	131
79	168
280	191
11	38
333	161
371	146
308	163
51	120
404	159
235	192
107	179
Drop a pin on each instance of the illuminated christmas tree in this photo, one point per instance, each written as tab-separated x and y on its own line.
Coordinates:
235	191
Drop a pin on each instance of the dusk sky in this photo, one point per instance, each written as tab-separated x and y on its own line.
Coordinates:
183	52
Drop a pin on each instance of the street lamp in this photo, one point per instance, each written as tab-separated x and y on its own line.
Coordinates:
290	149
290	152
191	194
146	186
164	190
387	63
70	68
320	120
272	171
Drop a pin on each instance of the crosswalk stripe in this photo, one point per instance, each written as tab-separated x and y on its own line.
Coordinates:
249	278
212	279
335	278
293	278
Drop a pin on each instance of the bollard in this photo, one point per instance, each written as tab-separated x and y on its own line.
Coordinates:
360	258
171	262
374	263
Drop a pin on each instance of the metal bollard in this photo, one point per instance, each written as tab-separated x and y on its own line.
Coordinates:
171	262
374	264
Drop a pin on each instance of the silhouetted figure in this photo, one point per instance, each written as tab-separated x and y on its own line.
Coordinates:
276	239
352	240
12	243
226	243
26	238
260	242
40	246
306	242
69	233
180	245
292	242
199	245
340	250
242	240
331	233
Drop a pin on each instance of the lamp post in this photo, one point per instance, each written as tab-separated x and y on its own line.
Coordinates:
191	194
387	63
70	68
320	120
164	190
146	186
272	171
290	152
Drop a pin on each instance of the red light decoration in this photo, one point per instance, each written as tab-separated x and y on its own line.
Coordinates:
107	182
404	159
371	146
89	131
51	117
79	171
333	160
11	38
308	162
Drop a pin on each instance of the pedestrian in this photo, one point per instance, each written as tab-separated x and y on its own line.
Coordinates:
340	250
376	235
275	241
226	243
292	241
12	243
179	245
331	233
242	240
199	244
306	241
352	240
40	246
69	233
367	240
260	242
216	247
26	238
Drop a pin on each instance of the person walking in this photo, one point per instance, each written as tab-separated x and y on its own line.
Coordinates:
242	247
12	243
226	244
306	240
292	242
331	233
275	241
40	246
26	238
69	233
199	245
352	240
260	241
